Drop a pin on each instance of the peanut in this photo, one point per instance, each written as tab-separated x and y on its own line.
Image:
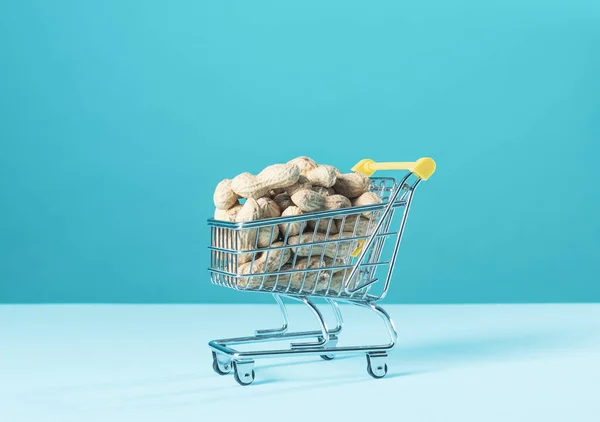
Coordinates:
331	263
290	229
305	164
267	235
274	192
268	208
303	281
308	200
302	183
330	250
322	176
267	262
224	198
294	281
363	226
283	200
309	285
228	215
297	283
335	169
325	225
250	211
276	176
337	282
322	278
334	202
351	185
323	191
367	198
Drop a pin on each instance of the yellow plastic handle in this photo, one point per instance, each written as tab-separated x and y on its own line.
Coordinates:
423	167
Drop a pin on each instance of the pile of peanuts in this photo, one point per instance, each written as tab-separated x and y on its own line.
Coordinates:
301	186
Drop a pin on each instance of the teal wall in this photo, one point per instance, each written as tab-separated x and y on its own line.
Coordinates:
117	119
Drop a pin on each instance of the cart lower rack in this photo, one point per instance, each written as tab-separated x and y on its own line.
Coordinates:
350	259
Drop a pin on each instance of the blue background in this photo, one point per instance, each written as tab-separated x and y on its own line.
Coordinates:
118	118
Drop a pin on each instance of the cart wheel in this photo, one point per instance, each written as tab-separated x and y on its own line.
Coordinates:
219	368
242	376
376	367
327	357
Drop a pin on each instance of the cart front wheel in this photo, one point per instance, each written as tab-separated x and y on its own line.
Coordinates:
376	366
243	373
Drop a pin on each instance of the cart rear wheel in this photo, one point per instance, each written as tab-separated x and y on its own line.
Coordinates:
241	375
221	369
327	357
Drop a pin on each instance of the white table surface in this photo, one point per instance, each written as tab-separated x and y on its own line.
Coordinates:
151	363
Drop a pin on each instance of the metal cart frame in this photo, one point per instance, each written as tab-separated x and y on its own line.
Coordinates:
340	266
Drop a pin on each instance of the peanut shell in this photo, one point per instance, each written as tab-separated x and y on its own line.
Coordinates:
276	176
283	200
322	176
290	229
352	185
305	164
308	200
224	197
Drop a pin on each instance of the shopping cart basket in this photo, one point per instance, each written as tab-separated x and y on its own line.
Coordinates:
343	255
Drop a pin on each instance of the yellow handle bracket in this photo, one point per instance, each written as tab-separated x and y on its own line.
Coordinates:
423	167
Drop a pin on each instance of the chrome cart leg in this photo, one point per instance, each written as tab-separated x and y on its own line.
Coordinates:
284	314
333	339
244	371
331	343
321	340
389	324
338	316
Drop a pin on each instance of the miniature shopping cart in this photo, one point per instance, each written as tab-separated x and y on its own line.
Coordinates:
344	255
